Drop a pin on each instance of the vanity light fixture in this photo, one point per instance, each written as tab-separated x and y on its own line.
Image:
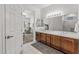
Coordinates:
26	14
55	13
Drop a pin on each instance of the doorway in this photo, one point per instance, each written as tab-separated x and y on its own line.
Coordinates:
28	33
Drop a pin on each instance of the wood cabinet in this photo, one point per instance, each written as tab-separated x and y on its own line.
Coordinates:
64	44
43	37
56	41
38	37
69	45
48	39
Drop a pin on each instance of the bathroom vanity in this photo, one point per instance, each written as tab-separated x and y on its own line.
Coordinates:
66	42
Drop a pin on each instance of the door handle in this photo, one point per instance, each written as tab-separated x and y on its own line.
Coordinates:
8	37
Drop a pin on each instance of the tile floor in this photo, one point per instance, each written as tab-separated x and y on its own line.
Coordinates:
28	49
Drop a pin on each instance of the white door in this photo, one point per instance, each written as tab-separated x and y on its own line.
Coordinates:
1	27
14	35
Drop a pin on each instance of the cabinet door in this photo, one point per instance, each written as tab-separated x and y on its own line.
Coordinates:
48	39
56	41
69	45
43	37
37	36
53	39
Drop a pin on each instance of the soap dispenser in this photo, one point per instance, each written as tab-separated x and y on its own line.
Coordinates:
77	27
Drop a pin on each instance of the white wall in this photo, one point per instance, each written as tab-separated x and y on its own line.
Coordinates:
78	12
37	17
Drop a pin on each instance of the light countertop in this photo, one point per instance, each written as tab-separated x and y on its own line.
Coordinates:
61	33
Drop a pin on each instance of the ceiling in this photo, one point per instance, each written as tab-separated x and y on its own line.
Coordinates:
34	6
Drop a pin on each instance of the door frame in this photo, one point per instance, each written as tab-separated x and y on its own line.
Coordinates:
4	29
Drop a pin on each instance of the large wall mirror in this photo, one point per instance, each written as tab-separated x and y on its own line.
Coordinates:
60	17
